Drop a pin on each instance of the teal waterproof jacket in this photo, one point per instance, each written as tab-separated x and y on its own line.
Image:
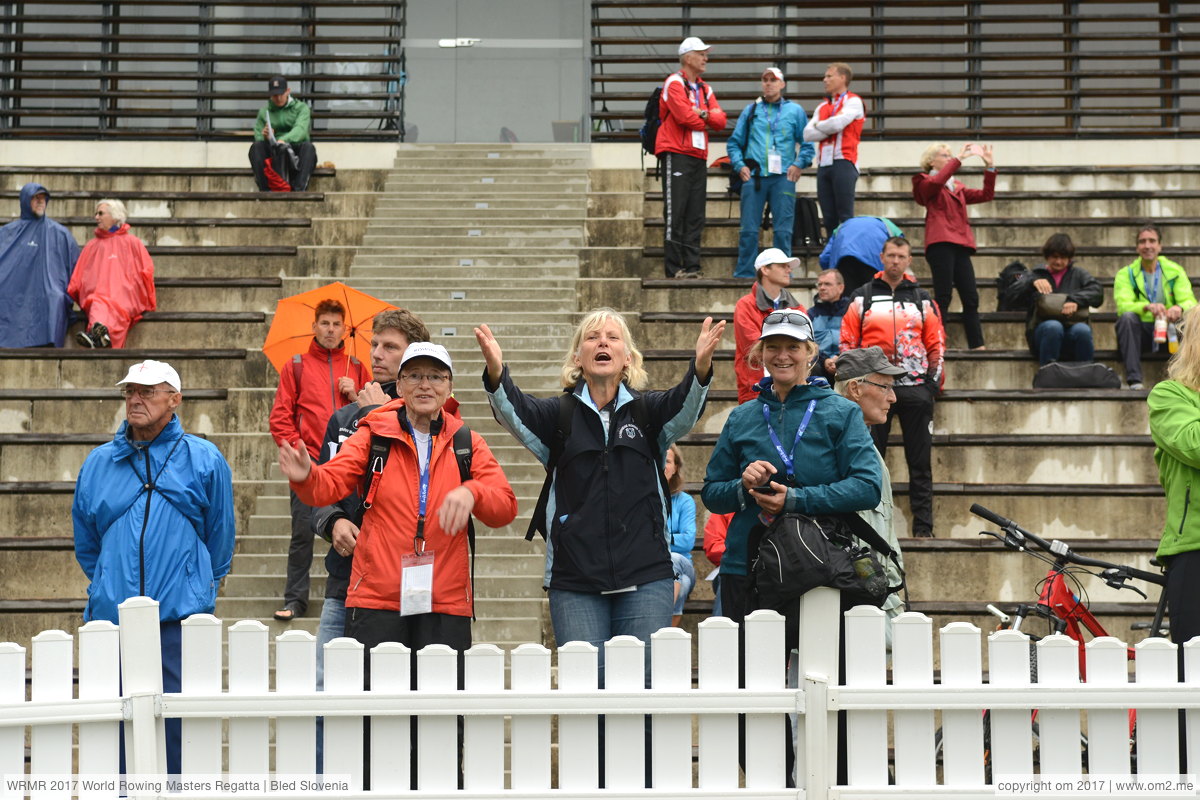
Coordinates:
1129	288
1175	427
837	466
173	543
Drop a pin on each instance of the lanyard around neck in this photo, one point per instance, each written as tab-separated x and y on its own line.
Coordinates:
788	459
423	493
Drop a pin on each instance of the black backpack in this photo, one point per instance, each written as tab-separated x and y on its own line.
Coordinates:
1006	281
1075	375
651	122
806	230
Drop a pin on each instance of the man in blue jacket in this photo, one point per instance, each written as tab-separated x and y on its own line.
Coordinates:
767	149
37	256
153	516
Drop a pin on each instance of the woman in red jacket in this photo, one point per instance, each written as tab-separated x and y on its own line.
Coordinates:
949	241
113	281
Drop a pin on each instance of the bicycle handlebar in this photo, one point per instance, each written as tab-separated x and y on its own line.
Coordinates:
1061	550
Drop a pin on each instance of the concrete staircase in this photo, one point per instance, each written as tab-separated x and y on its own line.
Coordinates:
462	234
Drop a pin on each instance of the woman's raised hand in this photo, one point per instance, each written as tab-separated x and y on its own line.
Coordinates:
294	462
706	344
985	151
492	354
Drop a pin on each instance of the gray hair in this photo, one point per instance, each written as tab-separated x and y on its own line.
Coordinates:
116	208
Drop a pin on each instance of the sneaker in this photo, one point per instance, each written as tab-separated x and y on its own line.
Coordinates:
1136	385
100	335
84	340
695	273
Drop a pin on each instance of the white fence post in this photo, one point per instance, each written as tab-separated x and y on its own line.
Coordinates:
1157	730
1108	729
531	734
1059	729
817	655
912	666
141	678
483	737
718	732
866	665
624	734
99	677
766	664
296	673
1012	729
671	671
437	737
962	731
578	734
12	693
343	736
249	650
391	736
1191	672
201	673
50	745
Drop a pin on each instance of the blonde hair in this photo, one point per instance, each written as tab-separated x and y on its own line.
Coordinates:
675	482
632	374
930	152
116	208
754	356
1184	366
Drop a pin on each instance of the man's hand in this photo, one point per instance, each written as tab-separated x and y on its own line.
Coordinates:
372	395
793	173
456	508
831	365
1069	308
294	462
1043	286
757	473
345	386
1157	309
345	537
1174	314
744	174
772	503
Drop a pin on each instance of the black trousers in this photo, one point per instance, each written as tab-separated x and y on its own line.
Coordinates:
300	555
914	407
1134	337
297	177
1183	596
952	268
684	192
835	193
855	273
372	626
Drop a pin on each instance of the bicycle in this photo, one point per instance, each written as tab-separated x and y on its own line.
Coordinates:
1065	611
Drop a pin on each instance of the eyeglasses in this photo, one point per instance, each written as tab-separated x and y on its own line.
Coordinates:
887	387
144	392
414	379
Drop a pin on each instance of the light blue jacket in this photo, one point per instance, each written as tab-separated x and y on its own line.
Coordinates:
786	121
172	544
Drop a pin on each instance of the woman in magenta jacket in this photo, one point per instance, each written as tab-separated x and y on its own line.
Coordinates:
949	241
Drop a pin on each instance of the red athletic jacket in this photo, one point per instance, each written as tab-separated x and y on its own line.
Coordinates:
304	414
389	525
677	110
945	210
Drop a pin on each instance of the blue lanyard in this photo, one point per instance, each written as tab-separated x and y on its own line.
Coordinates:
788	459
423	493
1153	292
773	126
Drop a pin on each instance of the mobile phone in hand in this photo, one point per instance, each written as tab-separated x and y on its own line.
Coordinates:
766	488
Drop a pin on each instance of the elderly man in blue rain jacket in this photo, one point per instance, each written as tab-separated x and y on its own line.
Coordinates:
37	256
153	516
768	150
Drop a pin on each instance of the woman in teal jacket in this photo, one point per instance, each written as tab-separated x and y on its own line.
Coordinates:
808	444
1175	427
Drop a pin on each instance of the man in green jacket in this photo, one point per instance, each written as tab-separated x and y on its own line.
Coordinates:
281	135
1151	289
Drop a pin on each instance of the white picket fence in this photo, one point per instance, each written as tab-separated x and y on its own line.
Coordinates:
119	678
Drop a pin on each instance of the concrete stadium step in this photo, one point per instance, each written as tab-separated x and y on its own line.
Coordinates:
228	294
41	573
98	410
475	217
221	265
488	187
391	205
533	295
200	329
147	212
459	241
198	368
452	228
526	270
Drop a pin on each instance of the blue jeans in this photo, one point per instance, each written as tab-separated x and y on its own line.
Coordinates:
333	625
1048	341
596	618
685	576
781	194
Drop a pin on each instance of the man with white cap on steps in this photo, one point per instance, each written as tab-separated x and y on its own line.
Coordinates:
688	109
153	516
769	293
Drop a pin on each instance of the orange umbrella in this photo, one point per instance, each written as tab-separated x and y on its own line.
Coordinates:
291	330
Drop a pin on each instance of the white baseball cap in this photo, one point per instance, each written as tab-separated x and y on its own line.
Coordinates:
692	44
428	350
790	322
152	373
776	71
773	255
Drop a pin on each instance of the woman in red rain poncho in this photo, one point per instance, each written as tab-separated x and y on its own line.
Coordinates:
113	280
